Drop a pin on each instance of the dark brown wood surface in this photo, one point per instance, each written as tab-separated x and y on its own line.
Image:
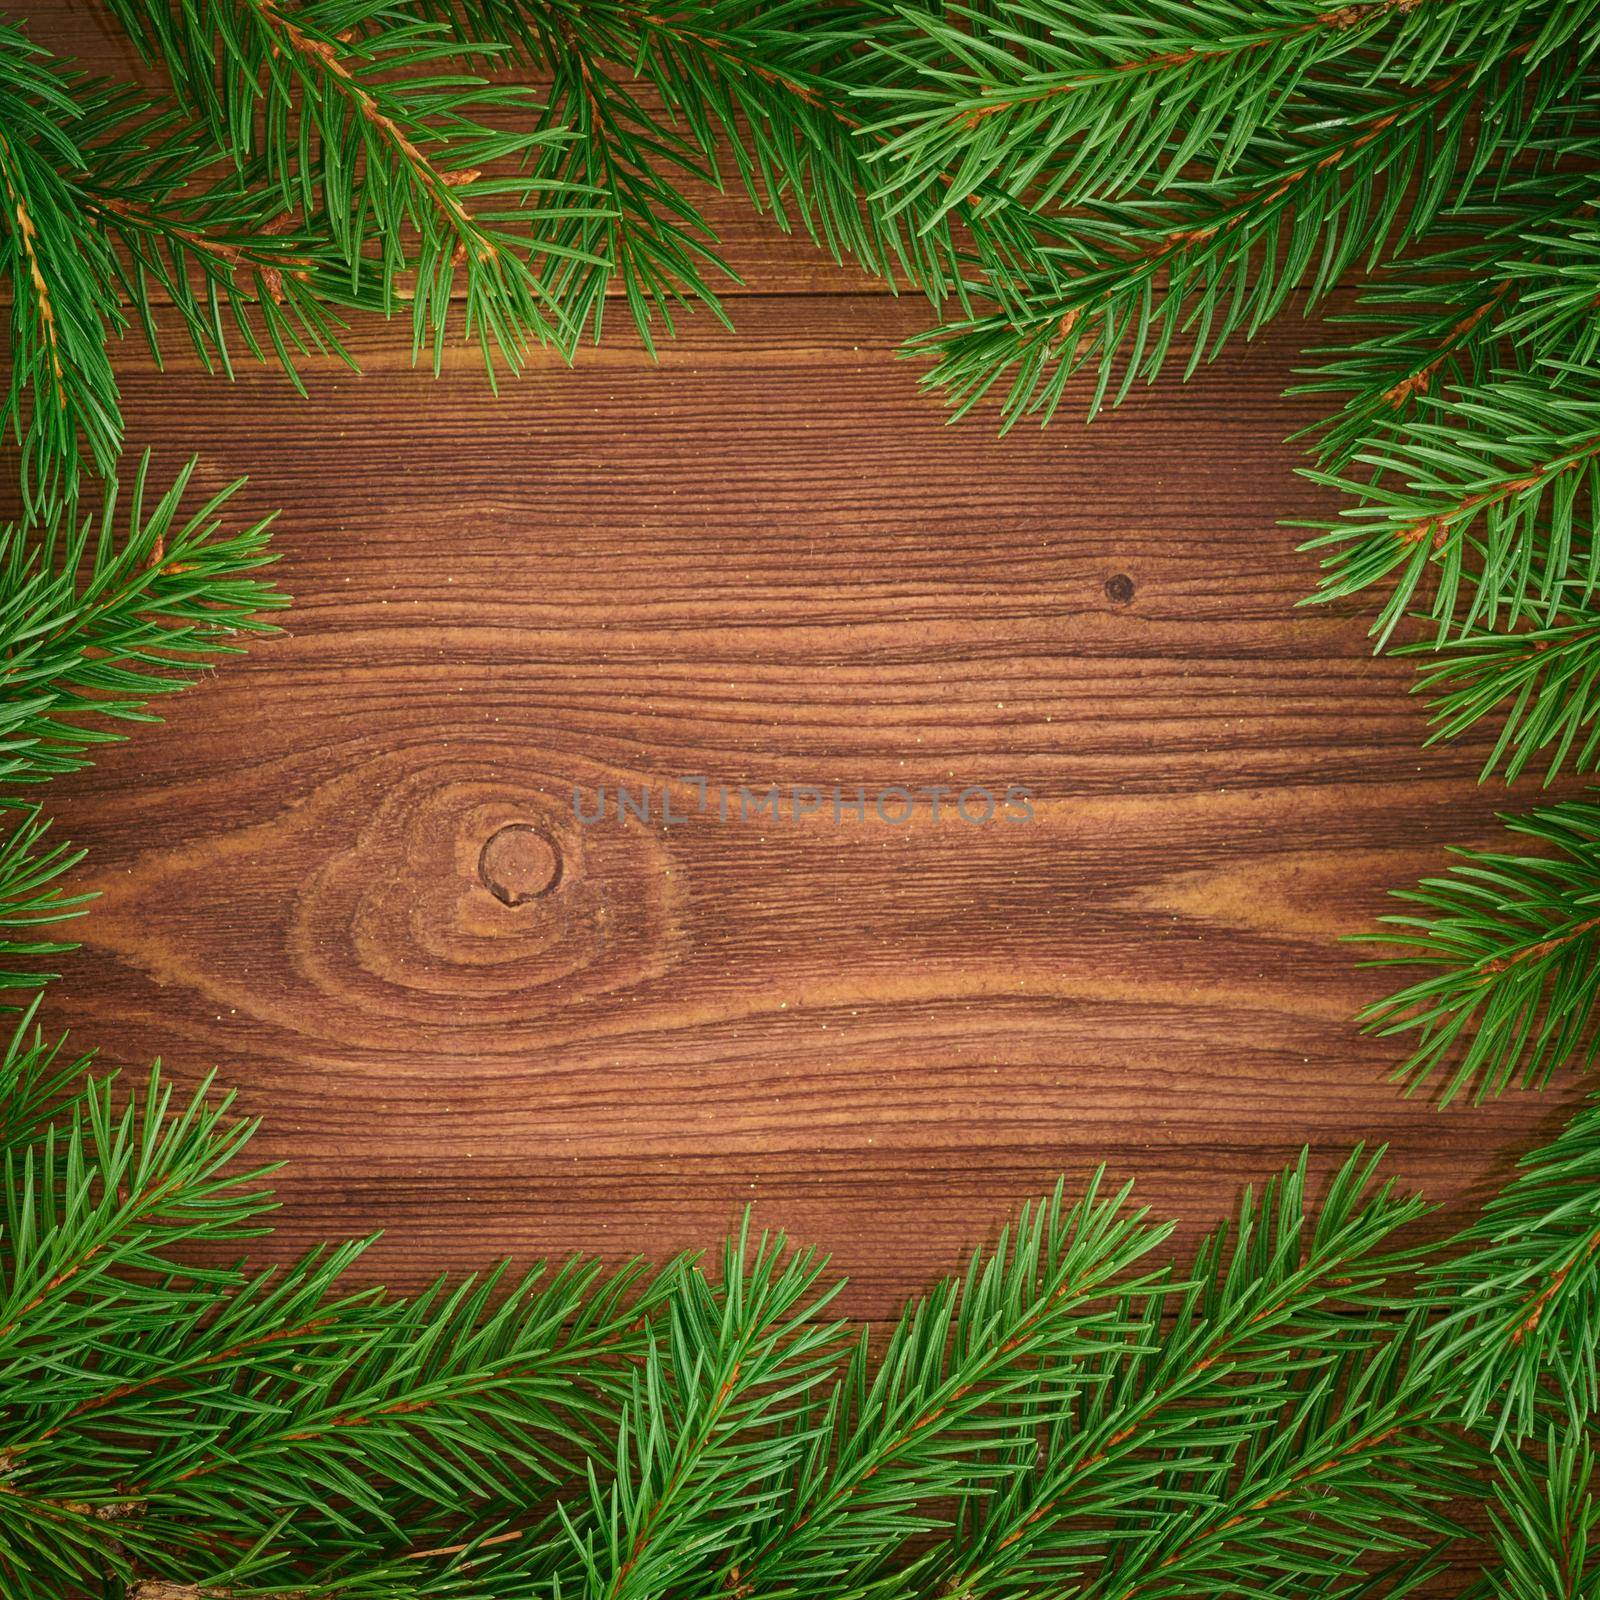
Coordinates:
767	559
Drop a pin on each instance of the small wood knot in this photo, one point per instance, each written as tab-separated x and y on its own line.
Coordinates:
519	863
1119	588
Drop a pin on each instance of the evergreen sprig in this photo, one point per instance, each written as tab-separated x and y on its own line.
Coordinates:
103	609
1544	1519
61	387
1518	1328
1252	1423
1511	941
1058	104
967	1378
1540	681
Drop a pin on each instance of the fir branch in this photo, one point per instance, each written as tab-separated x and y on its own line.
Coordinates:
244	1433
1059	106
1481	508
36	1078
1179	1468
771	88
61	389
323	98
156	214
1543	681
362	137
644	237
652	96
31	897
713	1423
1208	259
1426	346
1451	314
968	1376
102	613
777	90
385	1419
145	1177
1512	941
1510	292
1517	1295
217	250
1544	1516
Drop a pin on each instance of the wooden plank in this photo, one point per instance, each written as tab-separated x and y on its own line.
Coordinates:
767	560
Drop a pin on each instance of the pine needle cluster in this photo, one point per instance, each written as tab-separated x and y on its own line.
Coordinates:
1090	198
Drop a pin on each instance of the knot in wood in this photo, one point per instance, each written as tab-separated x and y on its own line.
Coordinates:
519	863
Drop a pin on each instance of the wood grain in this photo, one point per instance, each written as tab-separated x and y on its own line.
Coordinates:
765	559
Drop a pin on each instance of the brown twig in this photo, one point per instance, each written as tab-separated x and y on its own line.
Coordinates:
325	57
1536	1307
27	236
1438	525
1419	381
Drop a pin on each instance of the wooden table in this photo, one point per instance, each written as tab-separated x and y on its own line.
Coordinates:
766	559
